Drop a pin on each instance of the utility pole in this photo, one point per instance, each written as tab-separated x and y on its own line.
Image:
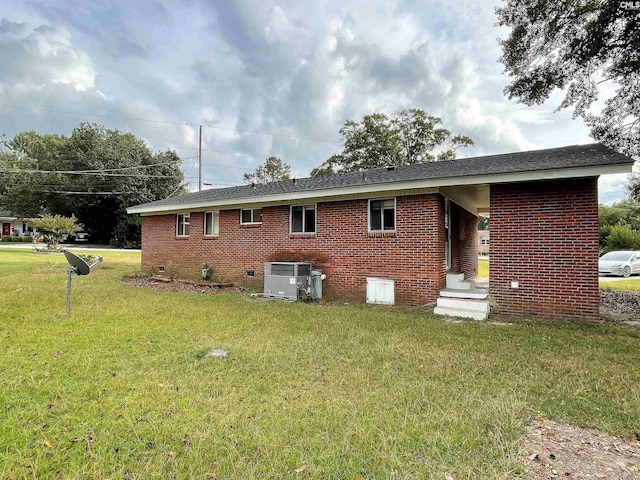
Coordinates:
200	160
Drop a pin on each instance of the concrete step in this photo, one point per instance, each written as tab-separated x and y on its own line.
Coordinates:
476	293
461	313
456	281
454	276
464	304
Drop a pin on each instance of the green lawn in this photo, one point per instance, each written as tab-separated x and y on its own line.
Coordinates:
123	389
631	284
483	267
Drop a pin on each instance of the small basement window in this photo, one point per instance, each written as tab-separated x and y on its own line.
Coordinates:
251	215
303	219
211	224
382	215
182	225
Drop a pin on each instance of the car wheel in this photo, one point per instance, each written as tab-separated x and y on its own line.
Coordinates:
626	272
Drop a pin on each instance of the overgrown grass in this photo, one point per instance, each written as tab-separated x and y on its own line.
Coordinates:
483	267
628	285
123	388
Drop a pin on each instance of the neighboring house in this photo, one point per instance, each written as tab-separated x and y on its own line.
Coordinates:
483	242
409	224
13	225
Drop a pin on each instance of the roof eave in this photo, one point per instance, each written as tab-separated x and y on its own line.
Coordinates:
431	183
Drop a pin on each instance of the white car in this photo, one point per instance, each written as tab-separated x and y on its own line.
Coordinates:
623	263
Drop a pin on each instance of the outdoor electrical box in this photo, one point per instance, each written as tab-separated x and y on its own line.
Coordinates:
287	280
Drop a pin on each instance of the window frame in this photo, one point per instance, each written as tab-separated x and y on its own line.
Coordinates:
215	223
186	218
315	219
252	222
369	216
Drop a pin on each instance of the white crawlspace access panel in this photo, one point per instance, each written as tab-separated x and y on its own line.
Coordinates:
380	291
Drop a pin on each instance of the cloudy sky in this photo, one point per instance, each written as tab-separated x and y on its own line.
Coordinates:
265	77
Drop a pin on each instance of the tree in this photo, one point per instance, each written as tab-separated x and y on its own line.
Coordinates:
55	227
626	212
404	138
633	186
577	47
93	174
619	225
272	170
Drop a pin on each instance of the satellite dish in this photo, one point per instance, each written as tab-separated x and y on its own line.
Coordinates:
78	267
82	267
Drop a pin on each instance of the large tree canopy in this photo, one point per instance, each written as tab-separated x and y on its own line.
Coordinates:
272	170
404	138
93	174
588	48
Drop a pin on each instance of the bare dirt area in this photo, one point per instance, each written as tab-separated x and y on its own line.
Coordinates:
556	450
179	285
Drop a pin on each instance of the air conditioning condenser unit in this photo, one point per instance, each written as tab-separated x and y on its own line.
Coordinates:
287	280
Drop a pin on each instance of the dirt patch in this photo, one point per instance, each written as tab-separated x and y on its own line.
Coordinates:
557	450
177	285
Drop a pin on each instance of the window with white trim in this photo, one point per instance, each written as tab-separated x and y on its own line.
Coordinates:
382	215
211	224
251	215
303	219
182	225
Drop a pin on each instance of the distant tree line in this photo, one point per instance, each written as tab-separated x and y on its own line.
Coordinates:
378	140
94	174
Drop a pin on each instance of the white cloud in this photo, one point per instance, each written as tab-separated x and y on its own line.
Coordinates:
42	57
295	68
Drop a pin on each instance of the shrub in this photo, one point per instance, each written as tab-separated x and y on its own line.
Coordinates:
6	239
605	231
623	238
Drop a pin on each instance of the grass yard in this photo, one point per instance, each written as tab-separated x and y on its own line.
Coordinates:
631	284
483	267
123	387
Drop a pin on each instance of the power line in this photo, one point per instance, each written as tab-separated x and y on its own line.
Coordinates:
41	109
208	125
70	172
86	193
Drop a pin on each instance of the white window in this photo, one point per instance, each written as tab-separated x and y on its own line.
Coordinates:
251	215
485	241
211	224
182	225
303	219
382	215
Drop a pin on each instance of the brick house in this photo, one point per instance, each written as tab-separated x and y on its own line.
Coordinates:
411	224
13	226
483	242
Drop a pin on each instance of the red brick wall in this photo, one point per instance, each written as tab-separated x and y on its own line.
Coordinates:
544	235
413	256
464	241
468	238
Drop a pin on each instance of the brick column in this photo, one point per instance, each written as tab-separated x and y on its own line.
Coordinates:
544	236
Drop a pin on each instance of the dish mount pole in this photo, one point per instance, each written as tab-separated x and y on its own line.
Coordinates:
70	273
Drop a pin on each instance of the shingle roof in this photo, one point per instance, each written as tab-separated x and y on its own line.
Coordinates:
578	156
